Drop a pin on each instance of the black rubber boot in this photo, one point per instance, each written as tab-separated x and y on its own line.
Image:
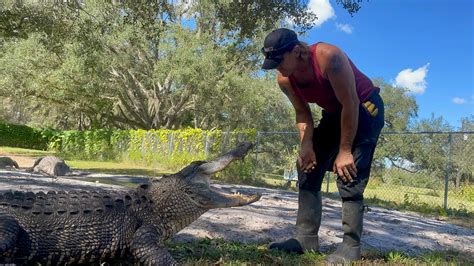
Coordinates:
307	225
349	249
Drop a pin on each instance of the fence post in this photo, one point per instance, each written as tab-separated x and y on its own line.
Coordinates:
170	144
448	171
206	145
256	156
328	176
142	147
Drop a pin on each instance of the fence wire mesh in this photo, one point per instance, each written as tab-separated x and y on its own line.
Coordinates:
424	169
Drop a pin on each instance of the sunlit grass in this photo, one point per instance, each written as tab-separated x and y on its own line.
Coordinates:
220	252
24	152
123	168
397	194
400	197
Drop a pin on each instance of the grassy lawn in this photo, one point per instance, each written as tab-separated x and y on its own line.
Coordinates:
123	168
420	200
405	194
219	252
24	152
393	193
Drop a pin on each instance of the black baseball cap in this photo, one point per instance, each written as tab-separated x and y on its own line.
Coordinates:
276	44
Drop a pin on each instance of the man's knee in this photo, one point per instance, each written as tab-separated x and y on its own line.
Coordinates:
354	191
348	193
310	181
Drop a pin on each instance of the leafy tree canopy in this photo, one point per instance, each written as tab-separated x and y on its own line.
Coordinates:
143	64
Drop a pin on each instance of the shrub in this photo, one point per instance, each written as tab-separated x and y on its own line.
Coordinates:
25	137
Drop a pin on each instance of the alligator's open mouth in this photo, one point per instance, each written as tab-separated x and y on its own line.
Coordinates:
200	173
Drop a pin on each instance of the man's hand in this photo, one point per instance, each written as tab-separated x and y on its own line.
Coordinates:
307	158
344	166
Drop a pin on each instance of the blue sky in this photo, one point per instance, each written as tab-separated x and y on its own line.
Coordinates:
423	45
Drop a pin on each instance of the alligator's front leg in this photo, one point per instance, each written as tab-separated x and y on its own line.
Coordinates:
9	229
147	248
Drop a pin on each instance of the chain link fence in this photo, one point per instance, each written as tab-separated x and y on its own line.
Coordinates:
422	169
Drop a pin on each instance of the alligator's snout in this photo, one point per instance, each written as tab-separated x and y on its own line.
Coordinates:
223	200
200	174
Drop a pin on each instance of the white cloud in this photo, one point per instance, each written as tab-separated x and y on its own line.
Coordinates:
413	80
345	28
322	9
458	100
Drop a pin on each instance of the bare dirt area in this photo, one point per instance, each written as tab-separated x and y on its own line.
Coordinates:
274	216
23	161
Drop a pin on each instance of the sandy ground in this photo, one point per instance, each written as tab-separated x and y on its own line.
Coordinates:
23	161
274	216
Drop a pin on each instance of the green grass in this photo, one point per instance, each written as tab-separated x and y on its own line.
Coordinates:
220	252
123	168
397	194
24	152
216	251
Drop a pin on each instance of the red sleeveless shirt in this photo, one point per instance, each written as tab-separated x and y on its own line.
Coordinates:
321	91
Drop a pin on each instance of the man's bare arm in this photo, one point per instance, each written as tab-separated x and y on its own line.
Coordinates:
304	124
341	76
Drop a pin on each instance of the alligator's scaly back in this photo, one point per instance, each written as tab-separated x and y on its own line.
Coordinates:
51	165
8	162
83	227
78	226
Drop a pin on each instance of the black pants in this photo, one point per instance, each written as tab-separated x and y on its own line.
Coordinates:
326	140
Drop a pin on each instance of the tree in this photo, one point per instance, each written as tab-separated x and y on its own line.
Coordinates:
148	64
400	108
431	151
462	162
400	112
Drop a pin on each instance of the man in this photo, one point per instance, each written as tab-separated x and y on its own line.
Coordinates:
344	140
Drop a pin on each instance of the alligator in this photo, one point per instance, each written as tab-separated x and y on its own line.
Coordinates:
51	165
89	227
8	162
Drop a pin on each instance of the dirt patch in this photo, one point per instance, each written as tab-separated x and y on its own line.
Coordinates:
23	161
274	216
